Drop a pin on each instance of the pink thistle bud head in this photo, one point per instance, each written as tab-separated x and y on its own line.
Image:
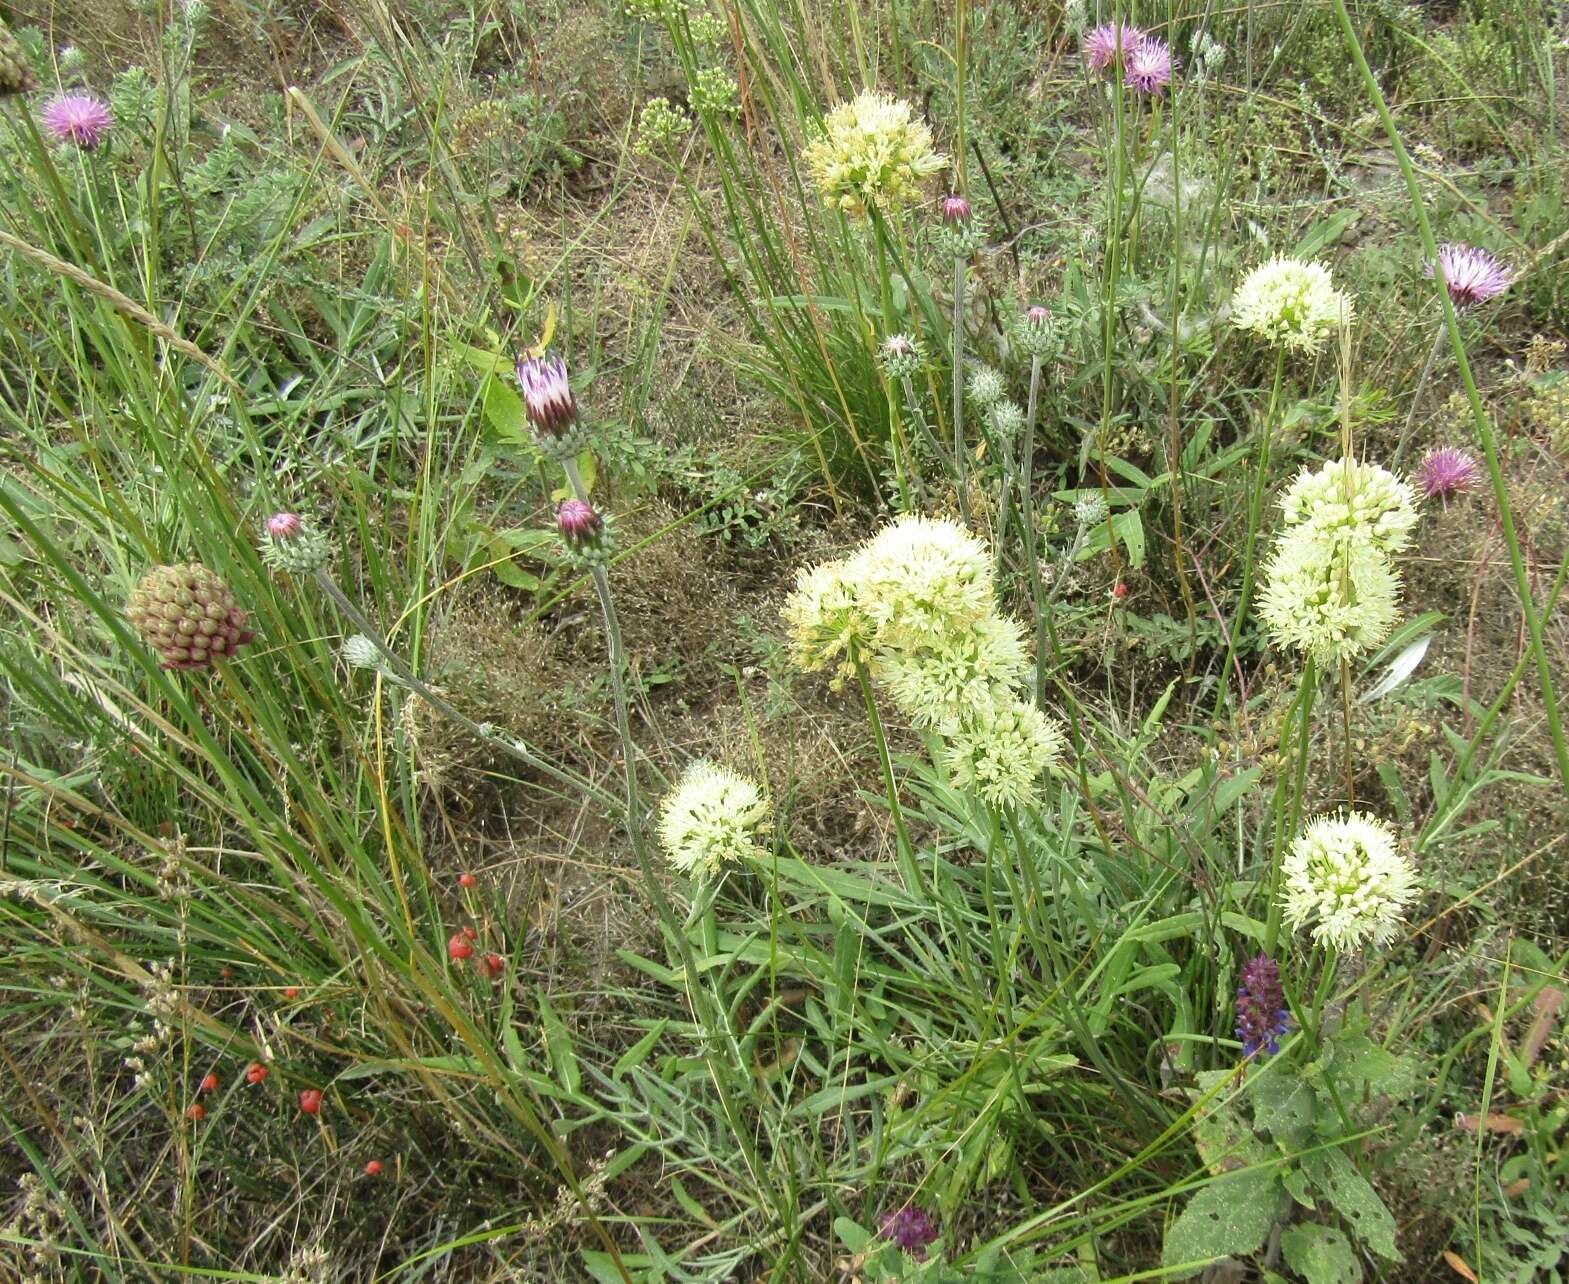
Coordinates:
283	526
1038	315
955	209
77	118
578	523
547	395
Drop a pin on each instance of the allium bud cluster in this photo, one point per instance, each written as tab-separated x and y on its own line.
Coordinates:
1290	304
659	126
917	605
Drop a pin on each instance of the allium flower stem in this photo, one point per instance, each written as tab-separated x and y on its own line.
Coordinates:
906	848
1032	558
1255	515
405	677
1286	821
1484	426
961	482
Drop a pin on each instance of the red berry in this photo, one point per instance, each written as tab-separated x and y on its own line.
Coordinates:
310	1100
466	880
373	1169
255	1072
291	991
459	946
210	1083
494	964
196	1112
471	933
1120	591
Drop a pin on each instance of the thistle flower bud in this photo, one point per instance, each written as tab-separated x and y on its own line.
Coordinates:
293	545
955	210
16	72
1035	334
1090	510
586	533
987	387
552	409
901	356
1006	419
1038	315
360	652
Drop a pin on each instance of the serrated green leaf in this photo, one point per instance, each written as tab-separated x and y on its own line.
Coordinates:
1336	1177
1230	1217
1321	1254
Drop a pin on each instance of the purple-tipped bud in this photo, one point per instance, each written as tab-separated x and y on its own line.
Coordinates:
1038	315
1472	275
899	345
77	118
1262	1017
1448	471
578	523
546	394
285	526
955	210
912	1229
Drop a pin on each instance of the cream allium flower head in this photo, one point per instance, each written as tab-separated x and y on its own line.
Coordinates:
1333	599
711	818
871	150
1291	304
1381	508
921	579
1002	751
1346	873
824	616
941	685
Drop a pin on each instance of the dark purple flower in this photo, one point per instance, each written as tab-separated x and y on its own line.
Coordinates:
1448	471
911	1228
1101	46
77	118
547	394
955	209
1472	275
578	523
1261	1007
1147	69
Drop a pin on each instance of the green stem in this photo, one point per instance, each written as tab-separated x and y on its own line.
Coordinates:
961	481
1032	559
1255	517
906	851
1484	426
1286	826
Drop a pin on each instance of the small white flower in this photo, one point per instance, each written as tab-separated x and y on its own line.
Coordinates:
1291	304
711	819
1345	875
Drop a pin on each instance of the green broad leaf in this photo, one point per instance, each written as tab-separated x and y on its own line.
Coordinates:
1335	1177
1129	529
558	1043
1284	1107
505	414
1230	1217
1233	788
852	1235
469	1067
1321	1254
692	1208
1226	1143
602	1267
483	360
638	1052
1296	1183
1324	233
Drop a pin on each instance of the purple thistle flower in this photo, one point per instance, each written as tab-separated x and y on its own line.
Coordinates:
1147	69
1472	275
77	118
1448	471
285	526
578	523
955	209
1038	315
547	394
1261	1007
1101	45
911	1228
